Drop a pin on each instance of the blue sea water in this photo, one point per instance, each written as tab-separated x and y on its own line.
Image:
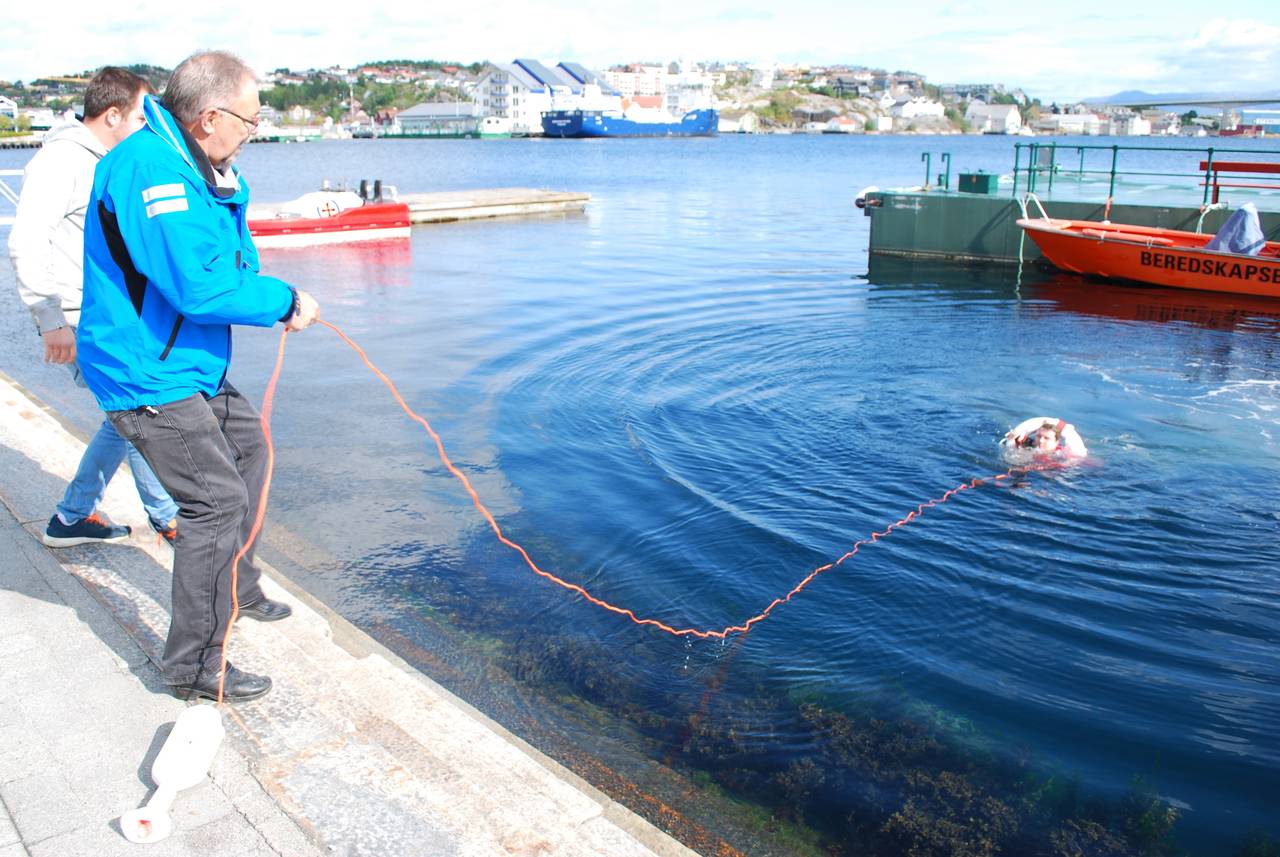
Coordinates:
692	394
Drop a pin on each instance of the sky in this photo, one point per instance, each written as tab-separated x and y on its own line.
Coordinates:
1053	51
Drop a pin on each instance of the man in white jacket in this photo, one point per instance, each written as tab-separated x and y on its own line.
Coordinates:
46	246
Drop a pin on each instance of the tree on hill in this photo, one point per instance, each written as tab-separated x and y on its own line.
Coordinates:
779	110
830	92
8	126
427	65
327	96
155	75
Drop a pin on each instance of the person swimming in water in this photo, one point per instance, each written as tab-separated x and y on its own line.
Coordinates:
1046	436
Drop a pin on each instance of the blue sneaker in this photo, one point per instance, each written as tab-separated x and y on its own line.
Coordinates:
95	529
167	532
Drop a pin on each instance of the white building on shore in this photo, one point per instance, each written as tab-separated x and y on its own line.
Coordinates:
634	80
739	122
917	107
1267	120
843	125
993	118
1126	125
521	91
1087	124
440	118
762	77
689	90
508	90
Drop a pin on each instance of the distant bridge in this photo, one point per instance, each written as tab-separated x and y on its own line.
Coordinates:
1195	102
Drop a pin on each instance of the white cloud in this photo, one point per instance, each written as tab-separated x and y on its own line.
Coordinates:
1222	34
1230	54
1097	48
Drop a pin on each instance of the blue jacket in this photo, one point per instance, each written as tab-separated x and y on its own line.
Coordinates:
168	268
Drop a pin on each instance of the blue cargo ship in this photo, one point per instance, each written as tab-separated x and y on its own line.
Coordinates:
601	123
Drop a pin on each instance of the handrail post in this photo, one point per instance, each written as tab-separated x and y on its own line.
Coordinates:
1115	155
1017	165
1053	164
1208	168
1080	149
946	183
928	165
1031	167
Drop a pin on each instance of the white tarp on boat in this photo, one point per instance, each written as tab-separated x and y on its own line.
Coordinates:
1241	234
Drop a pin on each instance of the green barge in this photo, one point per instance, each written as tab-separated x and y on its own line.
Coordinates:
977	220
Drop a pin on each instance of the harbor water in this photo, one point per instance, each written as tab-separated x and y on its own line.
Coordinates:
699	390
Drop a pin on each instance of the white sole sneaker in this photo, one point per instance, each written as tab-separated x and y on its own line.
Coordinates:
72	541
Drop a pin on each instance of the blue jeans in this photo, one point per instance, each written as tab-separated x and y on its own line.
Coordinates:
99	463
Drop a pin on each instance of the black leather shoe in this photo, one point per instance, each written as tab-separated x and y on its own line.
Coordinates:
266	610
240	686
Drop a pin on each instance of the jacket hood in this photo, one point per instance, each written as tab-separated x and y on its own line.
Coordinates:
164	125
74	131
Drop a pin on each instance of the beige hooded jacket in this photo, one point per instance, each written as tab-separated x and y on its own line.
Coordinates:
46	241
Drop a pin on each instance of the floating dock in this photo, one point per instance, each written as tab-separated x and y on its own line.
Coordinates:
448	206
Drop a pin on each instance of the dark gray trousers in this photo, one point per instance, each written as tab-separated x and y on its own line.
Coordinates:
211	456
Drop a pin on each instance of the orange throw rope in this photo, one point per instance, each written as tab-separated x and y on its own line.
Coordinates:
702	633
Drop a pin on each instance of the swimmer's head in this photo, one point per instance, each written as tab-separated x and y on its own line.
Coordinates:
1045	439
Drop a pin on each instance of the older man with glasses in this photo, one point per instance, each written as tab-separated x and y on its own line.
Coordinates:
169	267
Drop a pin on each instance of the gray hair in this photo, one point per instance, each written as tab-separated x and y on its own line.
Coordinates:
203	80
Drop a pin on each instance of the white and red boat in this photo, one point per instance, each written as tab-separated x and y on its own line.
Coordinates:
327	217
1161	257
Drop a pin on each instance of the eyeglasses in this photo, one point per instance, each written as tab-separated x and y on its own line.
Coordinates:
251	124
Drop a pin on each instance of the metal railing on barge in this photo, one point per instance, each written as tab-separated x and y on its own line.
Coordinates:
9	195
1047	161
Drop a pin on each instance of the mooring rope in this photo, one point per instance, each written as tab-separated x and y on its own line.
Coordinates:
268	400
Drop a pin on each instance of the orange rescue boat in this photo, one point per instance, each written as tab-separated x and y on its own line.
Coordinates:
1162	257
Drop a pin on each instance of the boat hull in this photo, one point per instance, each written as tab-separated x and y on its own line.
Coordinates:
374	222
1161	257
589	123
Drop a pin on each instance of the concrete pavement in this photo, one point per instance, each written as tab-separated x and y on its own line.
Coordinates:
352	752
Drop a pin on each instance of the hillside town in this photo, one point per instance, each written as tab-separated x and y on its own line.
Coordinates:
432	99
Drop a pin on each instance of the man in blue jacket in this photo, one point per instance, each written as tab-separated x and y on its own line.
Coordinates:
169	267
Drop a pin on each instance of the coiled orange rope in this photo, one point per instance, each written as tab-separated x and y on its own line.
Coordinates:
702	633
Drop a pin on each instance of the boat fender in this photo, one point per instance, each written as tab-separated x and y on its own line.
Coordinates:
861	200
